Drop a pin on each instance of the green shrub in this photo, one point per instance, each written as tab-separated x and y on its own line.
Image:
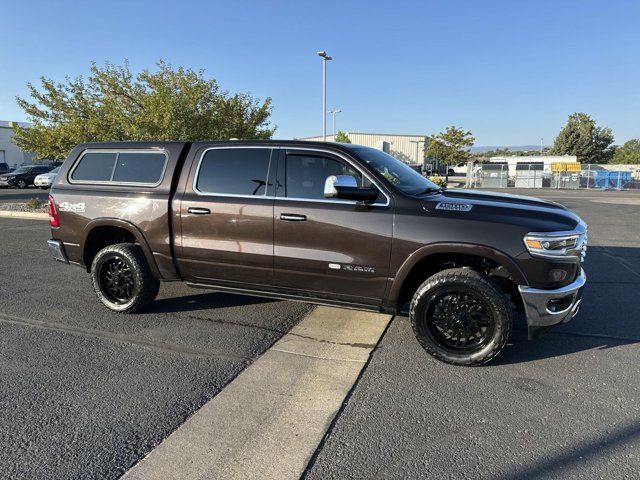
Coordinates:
438	180
34	203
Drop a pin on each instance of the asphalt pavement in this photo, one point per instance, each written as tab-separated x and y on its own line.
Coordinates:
85	392
9	195
565	406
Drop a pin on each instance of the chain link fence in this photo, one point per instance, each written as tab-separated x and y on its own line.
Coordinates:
557	176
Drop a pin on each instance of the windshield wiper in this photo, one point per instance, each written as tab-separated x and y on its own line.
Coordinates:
430	190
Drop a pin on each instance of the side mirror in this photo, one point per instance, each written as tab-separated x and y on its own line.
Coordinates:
345	187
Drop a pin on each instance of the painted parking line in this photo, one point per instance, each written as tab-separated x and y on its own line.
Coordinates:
268	422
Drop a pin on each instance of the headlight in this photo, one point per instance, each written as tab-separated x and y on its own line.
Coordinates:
567	245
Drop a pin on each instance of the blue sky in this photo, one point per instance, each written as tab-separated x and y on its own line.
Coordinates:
509	71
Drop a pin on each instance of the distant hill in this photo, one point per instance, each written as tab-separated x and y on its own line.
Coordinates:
526	148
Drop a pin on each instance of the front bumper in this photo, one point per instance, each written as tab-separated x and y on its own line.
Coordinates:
56	249
546	308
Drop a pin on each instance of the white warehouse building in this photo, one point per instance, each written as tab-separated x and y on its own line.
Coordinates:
9	152
408	148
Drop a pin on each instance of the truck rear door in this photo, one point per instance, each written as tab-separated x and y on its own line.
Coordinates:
225	235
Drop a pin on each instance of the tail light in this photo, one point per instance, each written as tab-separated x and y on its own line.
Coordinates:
54	221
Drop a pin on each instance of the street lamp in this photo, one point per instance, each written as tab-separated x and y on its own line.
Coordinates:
333	121
325	59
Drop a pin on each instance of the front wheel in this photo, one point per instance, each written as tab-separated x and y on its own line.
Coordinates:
21	184
459	316
122	278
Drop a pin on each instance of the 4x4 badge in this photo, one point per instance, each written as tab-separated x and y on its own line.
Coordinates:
72	207
456	207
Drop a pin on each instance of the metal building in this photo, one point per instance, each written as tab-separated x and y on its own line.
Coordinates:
408	148
9	151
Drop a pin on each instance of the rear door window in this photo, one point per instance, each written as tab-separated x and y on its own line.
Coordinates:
234	171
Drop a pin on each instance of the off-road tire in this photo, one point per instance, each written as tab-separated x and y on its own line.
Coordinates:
469	282
145	284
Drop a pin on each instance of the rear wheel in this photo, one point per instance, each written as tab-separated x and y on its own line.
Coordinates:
122	278
459	316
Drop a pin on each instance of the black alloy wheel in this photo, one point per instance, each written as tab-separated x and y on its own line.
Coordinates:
122	278
116	280
461	316
460	321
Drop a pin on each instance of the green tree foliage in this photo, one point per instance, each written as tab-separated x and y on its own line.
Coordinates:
451	146
115	104
341	137
583	138
628	153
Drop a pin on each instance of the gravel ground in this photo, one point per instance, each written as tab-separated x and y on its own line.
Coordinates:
22	207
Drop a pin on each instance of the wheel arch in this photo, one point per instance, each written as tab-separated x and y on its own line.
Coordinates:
102	232
433	258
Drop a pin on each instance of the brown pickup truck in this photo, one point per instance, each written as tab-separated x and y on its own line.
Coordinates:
324	223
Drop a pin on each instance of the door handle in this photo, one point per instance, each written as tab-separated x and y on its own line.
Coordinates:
292	217
199	211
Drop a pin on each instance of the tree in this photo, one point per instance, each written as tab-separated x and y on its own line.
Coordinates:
628	153
114	104
341	137
451	146
584	139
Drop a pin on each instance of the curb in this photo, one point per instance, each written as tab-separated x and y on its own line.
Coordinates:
31	215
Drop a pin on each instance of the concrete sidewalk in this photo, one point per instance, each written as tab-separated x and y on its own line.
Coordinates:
269	421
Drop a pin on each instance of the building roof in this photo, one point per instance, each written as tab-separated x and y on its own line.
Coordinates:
10	124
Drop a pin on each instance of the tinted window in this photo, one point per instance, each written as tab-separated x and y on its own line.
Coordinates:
236	171
95	167
139	167
306	175
41	170
399	174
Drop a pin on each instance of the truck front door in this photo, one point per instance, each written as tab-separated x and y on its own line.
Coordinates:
226	218
329	248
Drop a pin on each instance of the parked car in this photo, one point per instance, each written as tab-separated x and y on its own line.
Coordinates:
459	169
45	180
23	176
337	224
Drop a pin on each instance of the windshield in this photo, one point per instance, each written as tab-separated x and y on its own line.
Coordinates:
21	170
399	174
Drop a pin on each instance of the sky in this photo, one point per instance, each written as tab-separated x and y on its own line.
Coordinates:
509	71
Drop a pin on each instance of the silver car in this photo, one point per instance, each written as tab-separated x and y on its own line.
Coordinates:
45	180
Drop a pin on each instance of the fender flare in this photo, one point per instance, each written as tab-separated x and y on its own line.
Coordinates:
128	226
491	253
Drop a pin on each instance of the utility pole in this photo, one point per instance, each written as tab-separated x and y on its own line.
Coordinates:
333	121
325	59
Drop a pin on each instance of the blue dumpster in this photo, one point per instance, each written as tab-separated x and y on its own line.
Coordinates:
611	179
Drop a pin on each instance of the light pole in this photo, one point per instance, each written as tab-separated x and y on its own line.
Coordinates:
333	121
325	59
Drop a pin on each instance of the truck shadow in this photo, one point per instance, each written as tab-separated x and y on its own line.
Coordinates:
203	301
609	317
